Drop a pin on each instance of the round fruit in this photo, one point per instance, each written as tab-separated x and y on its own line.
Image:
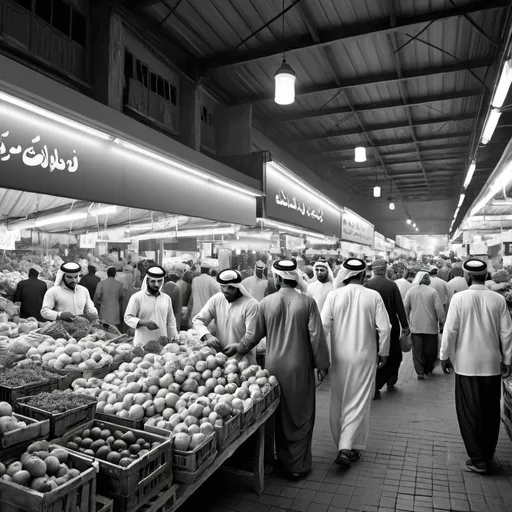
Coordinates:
110	440
119	445
41	484
118	434
63	471
72	446
105	434
2	469
114	458
135	449
89	452
103	452
125	462
6	478
86	433
78	441
86	442
52	465
62	455
96	445
5	409
124	453
129	438
73	473
21	477
95	433
35	466
14	468
141	441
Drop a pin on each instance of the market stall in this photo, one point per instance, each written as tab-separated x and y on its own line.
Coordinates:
357	235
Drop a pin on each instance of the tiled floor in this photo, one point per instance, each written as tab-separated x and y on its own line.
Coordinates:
413	463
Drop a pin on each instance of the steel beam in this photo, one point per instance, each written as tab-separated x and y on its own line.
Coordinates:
376	79
345	34
385	126
370	107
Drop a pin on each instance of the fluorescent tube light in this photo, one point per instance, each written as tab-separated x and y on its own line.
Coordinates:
184	167
186	233
490	125
376	191
503	85
461	200
469	175
48	114
360	154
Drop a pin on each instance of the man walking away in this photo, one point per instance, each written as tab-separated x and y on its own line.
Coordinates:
440	287
458	283
90	281
478	335
354	317
108	299
204	287
173	290
295	347
257	285
404	285
445	273
390	294
425	313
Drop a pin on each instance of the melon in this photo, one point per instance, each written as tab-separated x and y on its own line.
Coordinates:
182	441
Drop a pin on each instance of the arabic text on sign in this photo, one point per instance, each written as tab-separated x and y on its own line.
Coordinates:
283	200
33	157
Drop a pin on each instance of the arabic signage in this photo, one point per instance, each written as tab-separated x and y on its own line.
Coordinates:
356	229
289	201
379	242
88	240
42	156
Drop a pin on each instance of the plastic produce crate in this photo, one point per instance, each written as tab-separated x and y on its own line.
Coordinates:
35	429
76	495
259	407
59	423
163	502
116	481
12	394
104	504
247	419
272	395
124	422
229	431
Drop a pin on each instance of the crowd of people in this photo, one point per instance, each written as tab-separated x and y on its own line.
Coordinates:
351	320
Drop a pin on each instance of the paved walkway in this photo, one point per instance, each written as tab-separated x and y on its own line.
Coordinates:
413	463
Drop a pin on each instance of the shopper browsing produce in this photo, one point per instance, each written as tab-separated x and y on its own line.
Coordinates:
30	294
150	311
108	298
204	287
67	298
236	316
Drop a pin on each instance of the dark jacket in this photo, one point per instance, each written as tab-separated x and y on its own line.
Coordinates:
30	292
90	281
392	299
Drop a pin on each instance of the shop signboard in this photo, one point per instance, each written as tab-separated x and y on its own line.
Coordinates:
507	248
41	155
294	243
88	240
379	242
390	245
289	201
356	229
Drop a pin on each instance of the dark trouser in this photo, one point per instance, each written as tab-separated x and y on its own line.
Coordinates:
388	374
477	400
424	352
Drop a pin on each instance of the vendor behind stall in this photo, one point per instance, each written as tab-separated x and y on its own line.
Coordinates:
236	315
150	311
30	293
67	298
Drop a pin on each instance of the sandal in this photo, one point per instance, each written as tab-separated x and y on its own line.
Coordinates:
343	459
475	467
354	455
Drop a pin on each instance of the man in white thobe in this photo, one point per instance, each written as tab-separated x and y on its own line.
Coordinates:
426	316
204	287
236	315
257	285
478	336
404	285
458	282
150	311
324	284
67	298
440	286
355	317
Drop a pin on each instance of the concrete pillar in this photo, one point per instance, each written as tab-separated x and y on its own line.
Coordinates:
107	49
234	130
190	114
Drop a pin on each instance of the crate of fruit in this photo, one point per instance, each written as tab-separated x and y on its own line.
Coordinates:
64	409
229	431
70	375
259	407
248	418
272	395
118	420
104	504
164	501
16	430
22	381
128	459
61	482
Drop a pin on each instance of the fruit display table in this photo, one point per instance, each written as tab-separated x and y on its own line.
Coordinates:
255	478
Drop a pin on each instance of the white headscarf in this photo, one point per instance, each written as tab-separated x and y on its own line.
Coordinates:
419	277
287	269
325	265
67	268
155	272
350	268
231	277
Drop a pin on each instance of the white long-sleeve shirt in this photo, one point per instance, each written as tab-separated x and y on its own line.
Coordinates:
256	286
478	332
60	298
236	322
319	292
203	288
147	307
424	310
441	288
403	286
457	284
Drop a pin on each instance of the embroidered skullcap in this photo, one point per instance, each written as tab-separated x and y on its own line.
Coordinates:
155	272
476	267
229	276
71	268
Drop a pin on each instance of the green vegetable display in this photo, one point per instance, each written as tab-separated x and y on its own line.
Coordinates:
59	401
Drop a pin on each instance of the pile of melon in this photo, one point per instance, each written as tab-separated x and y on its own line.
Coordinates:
89	353
202	391
9	422
42	468
13	330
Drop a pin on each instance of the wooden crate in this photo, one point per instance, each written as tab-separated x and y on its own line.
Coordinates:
104	504
124	422
117	481
76	495
59	423
162	502
229	431
247	419
12	394
35	429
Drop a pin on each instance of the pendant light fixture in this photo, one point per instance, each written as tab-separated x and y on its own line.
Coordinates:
360	154
409	221
284	80
376	191
391	205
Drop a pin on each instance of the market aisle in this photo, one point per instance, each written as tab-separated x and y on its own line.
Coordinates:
413	463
